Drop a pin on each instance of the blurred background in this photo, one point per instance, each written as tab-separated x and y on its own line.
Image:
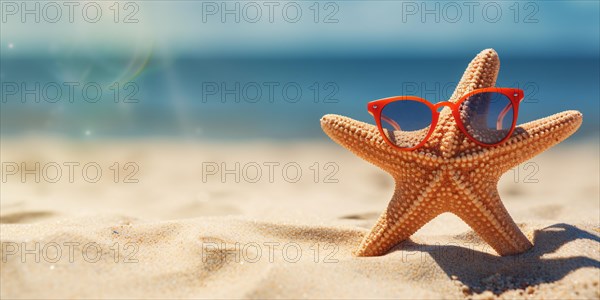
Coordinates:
230	70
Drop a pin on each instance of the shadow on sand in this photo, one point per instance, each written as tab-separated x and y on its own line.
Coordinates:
480	271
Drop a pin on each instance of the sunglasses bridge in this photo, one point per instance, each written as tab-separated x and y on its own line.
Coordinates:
443	104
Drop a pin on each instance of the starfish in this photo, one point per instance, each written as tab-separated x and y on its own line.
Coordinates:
450	173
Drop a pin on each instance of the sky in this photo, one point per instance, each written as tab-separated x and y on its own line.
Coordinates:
300	28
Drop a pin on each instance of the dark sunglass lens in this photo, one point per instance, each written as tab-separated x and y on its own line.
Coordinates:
406	122
487	117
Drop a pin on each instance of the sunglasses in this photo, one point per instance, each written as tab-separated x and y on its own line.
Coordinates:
487	116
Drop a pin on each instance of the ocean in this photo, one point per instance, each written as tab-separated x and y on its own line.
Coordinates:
258	98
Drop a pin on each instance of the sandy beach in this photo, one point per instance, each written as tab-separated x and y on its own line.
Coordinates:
172	219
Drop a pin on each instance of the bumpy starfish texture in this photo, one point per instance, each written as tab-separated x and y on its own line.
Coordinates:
450	173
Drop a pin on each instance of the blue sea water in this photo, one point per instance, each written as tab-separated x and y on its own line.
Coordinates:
259	98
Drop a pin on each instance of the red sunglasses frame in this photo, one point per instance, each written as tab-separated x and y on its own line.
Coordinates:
513	94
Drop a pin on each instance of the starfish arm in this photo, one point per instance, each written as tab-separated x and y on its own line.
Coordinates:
484	212
533	138
365	141
408	211
481	72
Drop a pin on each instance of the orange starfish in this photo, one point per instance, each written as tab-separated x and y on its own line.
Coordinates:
450	173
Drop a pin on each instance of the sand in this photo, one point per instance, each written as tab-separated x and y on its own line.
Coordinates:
180	232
